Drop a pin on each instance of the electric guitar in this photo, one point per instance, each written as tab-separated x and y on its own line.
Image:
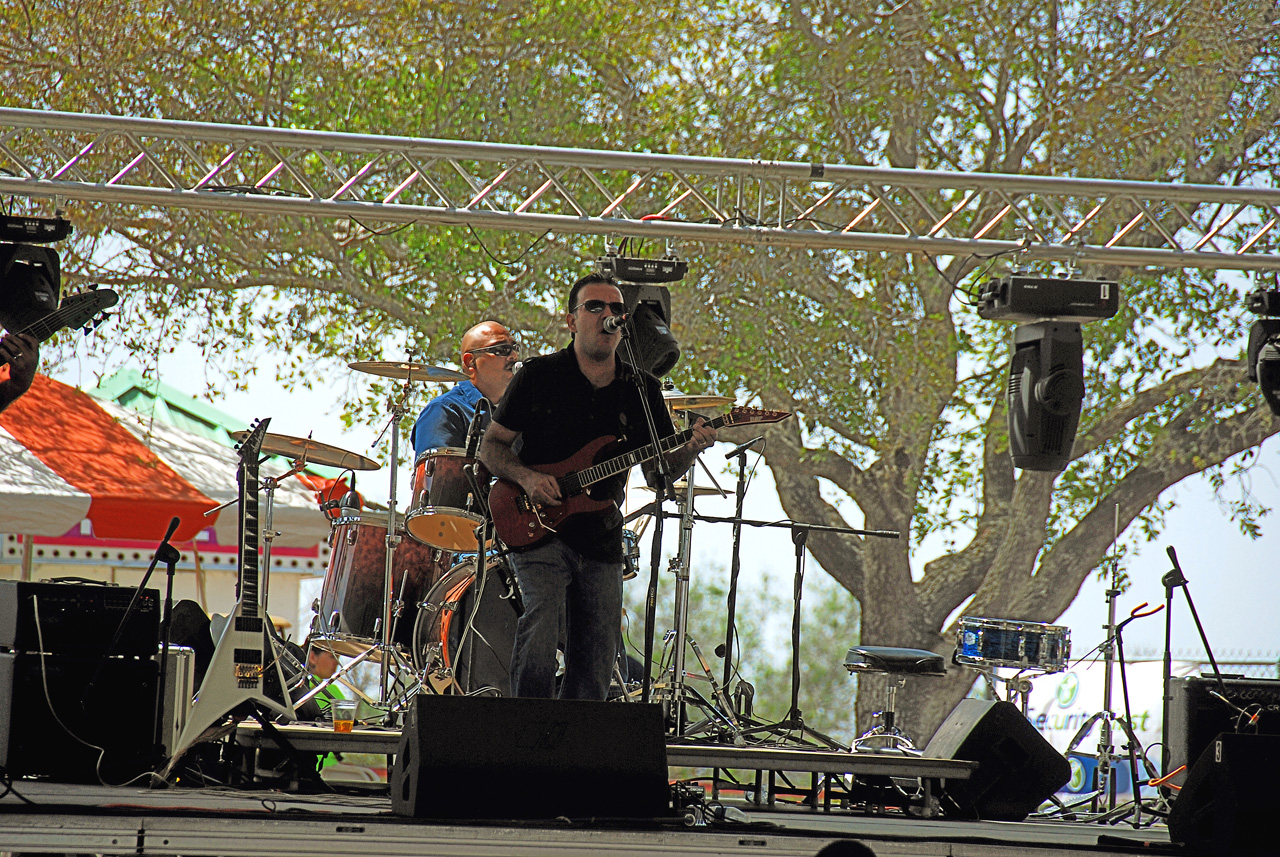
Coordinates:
520	522
244	652
82	310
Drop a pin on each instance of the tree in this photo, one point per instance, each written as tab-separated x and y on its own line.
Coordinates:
895	381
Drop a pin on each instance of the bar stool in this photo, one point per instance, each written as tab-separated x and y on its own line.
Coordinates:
898	664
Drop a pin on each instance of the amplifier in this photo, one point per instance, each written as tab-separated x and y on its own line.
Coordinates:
77	618
1196	717
115	713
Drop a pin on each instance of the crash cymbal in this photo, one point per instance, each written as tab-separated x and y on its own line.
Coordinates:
403	371
678	401
315	452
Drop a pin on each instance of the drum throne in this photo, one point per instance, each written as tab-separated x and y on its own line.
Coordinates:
897	664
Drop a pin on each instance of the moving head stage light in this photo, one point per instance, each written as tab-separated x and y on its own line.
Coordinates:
30	276
1045	390
1263	362
648	306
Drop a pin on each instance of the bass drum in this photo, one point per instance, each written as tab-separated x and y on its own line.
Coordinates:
455	658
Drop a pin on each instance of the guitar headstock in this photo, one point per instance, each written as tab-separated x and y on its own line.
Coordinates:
744	416
251	446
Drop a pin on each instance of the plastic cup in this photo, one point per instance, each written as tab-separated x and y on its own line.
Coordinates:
344	714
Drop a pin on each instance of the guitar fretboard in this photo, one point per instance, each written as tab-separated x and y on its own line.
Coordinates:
247	551
575	482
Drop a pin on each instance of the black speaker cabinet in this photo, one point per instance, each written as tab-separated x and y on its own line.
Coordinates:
115	713
1017	768
1196	717
1228	803
471	757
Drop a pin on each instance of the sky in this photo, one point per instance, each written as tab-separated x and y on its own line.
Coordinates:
1231	578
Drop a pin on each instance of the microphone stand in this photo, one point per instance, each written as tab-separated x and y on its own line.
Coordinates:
794	720
1173	579
662	492
735	561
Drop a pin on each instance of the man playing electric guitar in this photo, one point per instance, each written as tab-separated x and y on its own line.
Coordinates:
556	405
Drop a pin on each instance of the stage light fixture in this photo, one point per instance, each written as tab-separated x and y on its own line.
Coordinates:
648	305
30	284
1045	390
1045	394
1263	360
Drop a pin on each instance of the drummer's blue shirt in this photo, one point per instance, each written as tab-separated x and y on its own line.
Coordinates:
444	421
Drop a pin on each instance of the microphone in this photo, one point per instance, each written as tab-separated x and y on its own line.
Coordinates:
517	366
613	323
473	430
743	447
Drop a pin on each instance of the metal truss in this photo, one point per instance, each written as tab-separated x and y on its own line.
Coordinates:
379	180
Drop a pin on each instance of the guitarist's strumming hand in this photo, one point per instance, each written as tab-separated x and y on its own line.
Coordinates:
497	455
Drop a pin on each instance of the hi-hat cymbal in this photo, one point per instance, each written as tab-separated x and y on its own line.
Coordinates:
315	452
403	371
678	401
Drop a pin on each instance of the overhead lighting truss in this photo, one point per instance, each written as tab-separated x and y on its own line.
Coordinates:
382	180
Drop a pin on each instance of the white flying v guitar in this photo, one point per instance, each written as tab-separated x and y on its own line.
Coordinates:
244	652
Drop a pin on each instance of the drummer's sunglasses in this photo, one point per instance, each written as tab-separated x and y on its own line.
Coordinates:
502	349
597	307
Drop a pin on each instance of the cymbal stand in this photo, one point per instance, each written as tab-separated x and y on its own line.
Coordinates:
399	407
677	691
269	533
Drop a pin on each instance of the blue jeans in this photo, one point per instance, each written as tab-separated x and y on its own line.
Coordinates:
590	590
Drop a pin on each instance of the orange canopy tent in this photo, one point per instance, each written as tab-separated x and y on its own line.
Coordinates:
57	445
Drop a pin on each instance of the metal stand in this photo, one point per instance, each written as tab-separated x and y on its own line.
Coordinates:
676	692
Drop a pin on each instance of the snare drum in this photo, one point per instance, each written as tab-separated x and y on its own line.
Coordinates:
444	512
986	643
481	657
354	583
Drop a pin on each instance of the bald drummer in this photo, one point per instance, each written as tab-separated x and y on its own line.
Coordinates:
489	354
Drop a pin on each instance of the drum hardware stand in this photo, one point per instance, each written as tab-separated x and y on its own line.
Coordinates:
1017	687
399	407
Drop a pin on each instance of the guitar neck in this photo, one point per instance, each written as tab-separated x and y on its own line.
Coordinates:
613	466
248	547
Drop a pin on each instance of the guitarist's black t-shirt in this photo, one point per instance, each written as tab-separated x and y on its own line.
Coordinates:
556	411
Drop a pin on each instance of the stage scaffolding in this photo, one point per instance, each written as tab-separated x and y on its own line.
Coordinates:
378	181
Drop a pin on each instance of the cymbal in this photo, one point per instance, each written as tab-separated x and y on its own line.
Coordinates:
315	452
402	371
678	401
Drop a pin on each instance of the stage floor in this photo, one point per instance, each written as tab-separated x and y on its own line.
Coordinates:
38	816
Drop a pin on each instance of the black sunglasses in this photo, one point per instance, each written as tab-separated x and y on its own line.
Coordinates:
502	349
596	307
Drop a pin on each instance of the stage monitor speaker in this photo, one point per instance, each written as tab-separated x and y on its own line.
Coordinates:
473	757
115	714
1226	805
1017	768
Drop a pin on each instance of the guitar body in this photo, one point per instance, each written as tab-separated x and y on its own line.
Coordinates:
520	522
236	675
